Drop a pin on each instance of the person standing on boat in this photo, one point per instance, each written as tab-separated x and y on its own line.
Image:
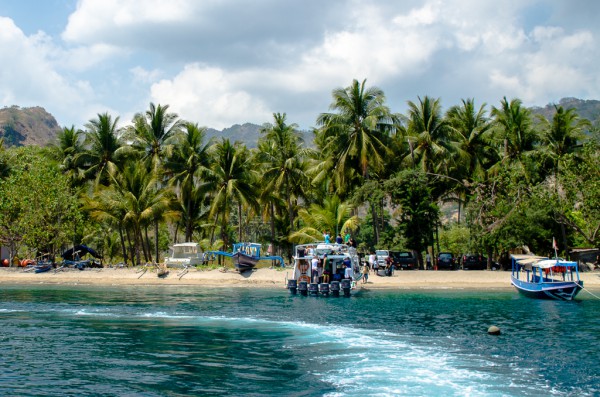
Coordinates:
315	269
347	238
338	239
326	237
348	268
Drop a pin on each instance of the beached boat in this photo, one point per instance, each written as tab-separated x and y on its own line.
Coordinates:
543	278
43	267
338	273
185	255
245	256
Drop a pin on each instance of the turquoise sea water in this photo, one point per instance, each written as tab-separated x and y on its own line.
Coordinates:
194	341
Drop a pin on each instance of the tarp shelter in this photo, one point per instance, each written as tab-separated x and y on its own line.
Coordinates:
78	251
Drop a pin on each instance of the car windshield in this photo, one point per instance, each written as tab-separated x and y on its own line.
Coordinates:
381	253
446	255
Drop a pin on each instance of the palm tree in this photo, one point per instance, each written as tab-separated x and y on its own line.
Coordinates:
154	132
354	137
563	135
103	148
333	215
472	148
188	165
283	162
513	127
428	136
68	147
135	196
232	177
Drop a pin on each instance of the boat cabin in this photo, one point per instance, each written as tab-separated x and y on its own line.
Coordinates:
185	254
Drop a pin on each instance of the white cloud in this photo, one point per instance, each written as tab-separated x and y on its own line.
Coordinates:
210	97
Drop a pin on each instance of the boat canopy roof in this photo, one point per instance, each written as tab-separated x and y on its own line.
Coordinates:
548	263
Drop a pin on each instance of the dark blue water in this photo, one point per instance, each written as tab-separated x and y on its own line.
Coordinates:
194	341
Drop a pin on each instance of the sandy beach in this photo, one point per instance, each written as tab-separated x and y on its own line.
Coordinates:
267	278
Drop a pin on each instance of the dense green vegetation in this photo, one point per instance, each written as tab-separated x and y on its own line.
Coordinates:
467	179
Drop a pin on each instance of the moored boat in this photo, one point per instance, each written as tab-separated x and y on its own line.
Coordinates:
543	278
336	273
185	255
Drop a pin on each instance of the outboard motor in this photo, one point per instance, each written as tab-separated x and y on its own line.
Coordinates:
303	288
324	289
313	289
293	286
335	288
346	285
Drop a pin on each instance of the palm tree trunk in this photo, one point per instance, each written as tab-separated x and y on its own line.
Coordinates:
156	239
123	247
146	246
240	237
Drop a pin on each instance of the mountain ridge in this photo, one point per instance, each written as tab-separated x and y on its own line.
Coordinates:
35	126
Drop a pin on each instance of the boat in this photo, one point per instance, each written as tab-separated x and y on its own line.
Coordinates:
338	274
544	278
245	256
185	255
43	267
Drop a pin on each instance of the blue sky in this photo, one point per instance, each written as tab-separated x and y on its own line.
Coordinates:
225	62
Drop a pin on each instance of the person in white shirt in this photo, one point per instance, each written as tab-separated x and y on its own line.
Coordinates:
315	269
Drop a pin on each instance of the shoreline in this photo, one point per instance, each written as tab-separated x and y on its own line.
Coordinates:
268	278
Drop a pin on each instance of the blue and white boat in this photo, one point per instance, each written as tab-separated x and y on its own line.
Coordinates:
337	273
543	278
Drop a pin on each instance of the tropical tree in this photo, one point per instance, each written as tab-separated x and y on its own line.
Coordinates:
232	177
103	150
513	130
472	149
563	135
332	215
189	166
154	133
428	135
68	146
354	137
283	161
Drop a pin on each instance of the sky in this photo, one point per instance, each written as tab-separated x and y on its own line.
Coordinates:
223	62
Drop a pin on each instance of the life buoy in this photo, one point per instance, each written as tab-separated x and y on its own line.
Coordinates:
304	277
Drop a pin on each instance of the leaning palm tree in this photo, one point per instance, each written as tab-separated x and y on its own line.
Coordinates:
233	180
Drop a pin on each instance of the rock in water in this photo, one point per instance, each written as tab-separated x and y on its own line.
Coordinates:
493	330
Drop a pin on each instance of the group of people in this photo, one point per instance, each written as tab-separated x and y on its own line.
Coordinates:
371	263
347	239
322	271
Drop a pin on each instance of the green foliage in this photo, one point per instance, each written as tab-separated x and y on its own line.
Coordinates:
418	213
457	239
38	212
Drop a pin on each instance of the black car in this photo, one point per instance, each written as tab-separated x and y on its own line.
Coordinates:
474	262
404	260
446	260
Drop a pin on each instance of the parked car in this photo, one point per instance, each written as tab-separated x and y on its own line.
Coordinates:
474	262
381	256
446	260
404	260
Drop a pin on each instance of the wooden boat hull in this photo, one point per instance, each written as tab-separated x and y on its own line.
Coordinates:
42	268
564	291
244	261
